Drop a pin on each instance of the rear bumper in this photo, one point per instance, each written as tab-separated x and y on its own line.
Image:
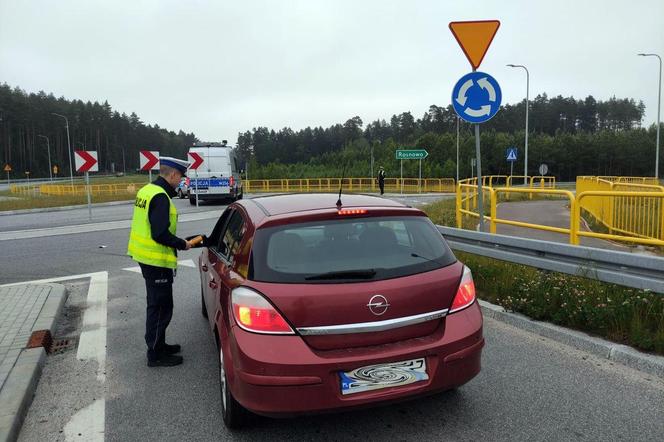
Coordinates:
232	193
281	376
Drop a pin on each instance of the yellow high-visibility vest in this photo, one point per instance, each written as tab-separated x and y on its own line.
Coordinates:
142	247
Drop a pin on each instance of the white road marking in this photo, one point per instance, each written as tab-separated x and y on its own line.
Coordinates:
187	263
95	227
92	342
182	263
88	423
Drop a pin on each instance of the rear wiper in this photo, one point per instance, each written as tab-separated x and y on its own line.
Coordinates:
345	274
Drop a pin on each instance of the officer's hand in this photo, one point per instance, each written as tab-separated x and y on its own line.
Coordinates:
187	245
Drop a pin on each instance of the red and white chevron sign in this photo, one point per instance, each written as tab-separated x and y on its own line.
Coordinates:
149	160
86	161
195	159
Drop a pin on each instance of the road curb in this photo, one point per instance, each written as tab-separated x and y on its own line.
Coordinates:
18	390
619	353
63	208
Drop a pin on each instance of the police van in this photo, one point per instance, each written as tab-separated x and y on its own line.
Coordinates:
218	177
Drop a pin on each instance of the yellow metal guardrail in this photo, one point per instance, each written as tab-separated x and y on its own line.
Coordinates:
631	209
409	185
626	206
95	189
76	189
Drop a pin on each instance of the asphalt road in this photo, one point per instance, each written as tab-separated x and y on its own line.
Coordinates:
530	388
551	213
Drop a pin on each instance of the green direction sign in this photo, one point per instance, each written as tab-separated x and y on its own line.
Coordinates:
414	154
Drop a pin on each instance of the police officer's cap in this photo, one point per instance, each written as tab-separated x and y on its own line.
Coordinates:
179	165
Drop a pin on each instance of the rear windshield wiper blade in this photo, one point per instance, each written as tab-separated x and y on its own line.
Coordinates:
345	274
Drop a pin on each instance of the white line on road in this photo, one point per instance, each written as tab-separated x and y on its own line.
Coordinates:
94	227
92	342
183	263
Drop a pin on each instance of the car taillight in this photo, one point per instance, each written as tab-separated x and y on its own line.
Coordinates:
255	314
465	295
231	181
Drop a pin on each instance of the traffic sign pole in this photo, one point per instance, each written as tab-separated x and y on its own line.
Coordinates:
87	186
401	180
480	202
197	187
419	183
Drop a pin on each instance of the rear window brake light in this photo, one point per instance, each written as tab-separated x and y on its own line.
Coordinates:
344	212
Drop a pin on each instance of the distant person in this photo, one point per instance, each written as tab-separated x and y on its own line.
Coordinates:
153	244
381	180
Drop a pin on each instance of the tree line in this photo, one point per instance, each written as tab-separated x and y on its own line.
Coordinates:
117	137
573	137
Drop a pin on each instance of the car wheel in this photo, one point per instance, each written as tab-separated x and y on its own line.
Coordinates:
233	414
203	308
192	200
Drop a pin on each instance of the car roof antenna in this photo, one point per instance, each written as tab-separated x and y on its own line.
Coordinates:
341	185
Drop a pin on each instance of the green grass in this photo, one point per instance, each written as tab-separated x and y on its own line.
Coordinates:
621	314
36	201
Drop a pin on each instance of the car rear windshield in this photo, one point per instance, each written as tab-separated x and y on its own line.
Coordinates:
348	250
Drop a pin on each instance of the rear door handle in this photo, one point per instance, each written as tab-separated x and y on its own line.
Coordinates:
212	284
204	268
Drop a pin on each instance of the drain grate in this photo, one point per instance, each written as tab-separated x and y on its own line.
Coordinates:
62	345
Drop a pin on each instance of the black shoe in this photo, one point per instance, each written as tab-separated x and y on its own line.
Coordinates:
168	349
165	361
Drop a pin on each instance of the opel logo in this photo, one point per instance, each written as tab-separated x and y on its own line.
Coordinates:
378	305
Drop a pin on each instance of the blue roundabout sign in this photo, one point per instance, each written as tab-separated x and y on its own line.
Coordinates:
476	97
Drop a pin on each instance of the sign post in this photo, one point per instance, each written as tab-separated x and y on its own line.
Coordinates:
196	160
86	161
411	154
149	160
511	157
483	102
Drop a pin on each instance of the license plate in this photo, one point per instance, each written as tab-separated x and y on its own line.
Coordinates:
375	377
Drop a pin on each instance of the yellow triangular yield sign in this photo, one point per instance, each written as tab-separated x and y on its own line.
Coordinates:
474	37
8	168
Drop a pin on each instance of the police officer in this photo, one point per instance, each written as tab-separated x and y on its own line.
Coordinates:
154	244
381	180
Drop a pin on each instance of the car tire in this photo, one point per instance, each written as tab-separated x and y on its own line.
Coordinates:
233	414
203	308
192	200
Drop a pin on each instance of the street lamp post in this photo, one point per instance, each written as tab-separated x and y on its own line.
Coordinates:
71	171
48	149
525	158
659	105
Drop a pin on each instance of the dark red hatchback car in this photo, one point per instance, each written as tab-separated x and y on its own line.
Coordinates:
319	308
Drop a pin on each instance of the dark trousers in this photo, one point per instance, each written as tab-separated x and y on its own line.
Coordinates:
381	184
159	288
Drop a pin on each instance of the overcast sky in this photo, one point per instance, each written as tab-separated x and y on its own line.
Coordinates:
218	67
